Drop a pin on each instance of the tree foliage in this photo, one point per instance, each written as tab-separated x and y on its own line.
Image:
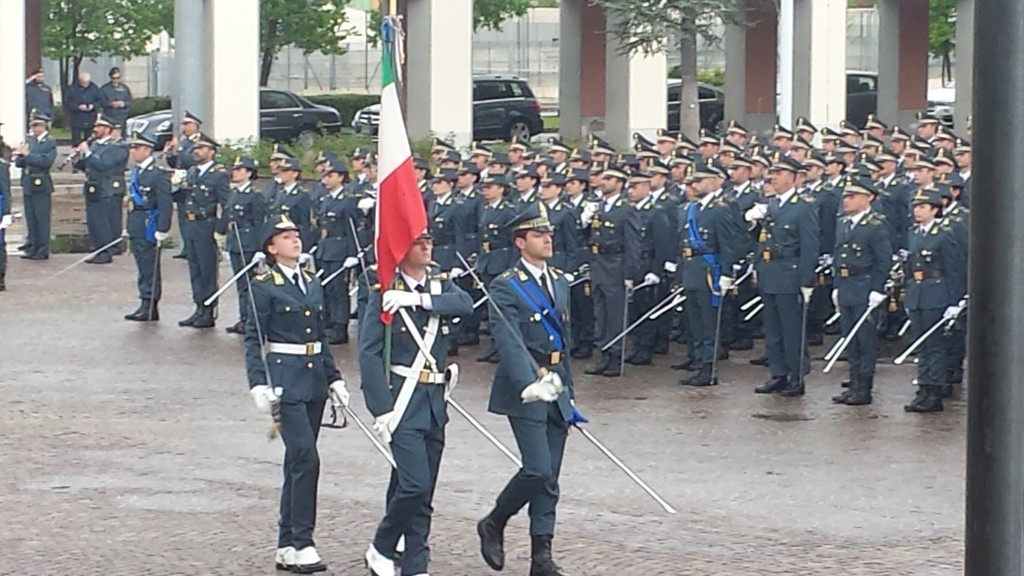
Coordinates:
309	25
74	30
942	32
490	14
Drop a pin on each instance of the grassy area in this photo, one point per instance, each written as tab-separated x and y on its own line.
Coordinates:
60	133
550	123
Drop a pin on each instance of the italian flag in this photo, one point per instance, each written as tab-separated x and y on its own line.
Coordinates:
401	217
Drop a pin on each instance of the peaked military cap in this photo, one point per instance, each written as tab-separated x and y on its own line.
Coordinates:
659	168
927	196
874	123
101	120
683	142
926	118
942	156
961	146
190	117
361	153
554	179
868	161
498	159
845	148
709	137
666	136
615	171
780	131
680	160
580	174
420	163
955	180
829	135
528	172
814	160
439	145
645	151
871	142
478	149
336	166
735	127
788	164
581	156
801	143
886	155
546	161
36	117
208	141
639	177
468	168
599	146
451	155
325	156
858	185
292	164
640	139
280	153
707	170
847	128
517	145
942	134
495	180
804	125
244	162
556	145
142	139
742	161
729	148
925	162
899	135
533	217
447	174
275	226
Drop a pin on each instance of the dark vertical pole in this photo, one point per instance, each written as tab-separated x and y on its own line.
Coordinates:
995	418
34	38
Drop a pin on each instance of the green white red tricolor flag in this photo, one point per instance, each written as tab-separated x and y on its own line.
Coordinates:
400	213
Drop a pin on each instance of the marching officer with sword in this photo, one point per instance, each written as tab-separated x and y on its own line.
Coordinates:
785	260
148	224
406	385
291	372
713	242
529	316
338	250
936	270
244	214
863	257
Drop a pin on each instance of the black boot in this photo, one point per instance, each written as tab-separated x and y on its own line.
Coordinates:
661	348
205	319
860	391
922	393
631	355
643	357
690	365
930	403
489	356
140	313
236	328
703	378
600	367
742	344
775	384
541	563
492	541
584	352
793	388
759	361
191	320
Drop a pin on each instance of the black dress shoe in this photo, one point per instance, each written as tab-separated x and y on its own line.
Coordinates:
236	328
858	399
492	542
612	372
742	344
929	403
955	376
629	357
180	256
205	319
491	354
100	259
761	361
842	398
35	256
192	319
583	353
599	368
541	562
641	358
24	247
723	353
661	349
792	390
703	378
775	384
689	365
815	339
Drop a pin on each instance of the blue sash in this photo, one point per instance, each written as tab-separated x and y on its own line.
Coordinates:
712	260
538	303
140	202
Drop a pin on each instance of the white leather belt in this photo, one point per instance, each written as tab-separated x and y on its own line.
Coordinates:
421	376
307	349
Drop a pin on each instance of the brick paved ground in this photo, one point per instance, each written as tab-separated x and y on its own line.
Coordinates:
131	449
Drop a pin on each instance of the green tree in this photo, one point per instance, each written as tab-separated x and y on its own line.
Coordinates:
310	25
942	33
490	14
645	27
74	30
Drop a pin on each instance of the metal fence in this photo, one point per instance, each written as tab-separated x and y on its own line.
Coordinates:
526	47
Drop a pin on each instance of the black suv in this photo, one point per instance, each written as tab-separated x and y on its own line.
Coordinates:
711	100
504	107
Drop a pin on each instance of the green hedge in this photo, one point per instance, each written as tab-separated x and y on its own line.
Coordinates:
148	104
715	77
346	104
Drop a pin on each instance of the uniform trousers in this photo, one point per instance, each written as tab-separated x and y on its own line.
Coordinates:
239	261
202	258
782	316
97	220
581	310
300	428
541	445
38	207
701	319
931	355
862	351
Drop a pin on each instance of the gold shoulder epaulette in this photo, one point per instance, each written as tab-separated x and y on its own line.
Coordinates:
278	278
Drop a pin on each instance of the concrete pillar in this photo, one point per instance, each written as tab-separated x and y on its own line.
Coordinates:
819	60
750	70
189	91
903	69
12	71
570	59
786	55
235	101
636	94
964	73
439	54
34	37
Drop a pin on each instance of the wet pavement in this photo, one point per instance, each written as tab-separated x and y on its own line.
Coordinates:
135	449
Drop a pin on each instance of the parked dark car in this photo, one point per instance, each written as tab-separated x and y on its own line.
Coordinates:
861	96
710	99
503	107
284	117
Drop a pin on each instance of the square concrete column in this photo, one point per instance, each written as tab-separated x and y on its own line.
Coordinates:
12	71
235	82
439	57
191	65
570	59
903	66
819	61
964	65
750	70
636	94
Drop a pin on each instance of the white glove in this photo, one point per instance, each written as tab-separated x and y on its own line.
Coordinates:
629	284
875	299
588	214
826	260
670	267
339	394
366	204
225	255
546	389
264	397
758	212
305	258
950	312
835	298
161	236
350	262
726	283
569	277
6	221
124	233
259	257
381	427
395	299
458	272
651	278
806	292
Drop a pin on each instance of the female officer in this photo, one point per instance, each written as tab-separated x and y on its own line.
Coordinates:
291	372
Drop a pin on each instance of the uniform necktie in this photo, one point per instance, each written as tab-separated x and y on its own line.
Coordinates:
547	287
298	282
421	288
850	225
